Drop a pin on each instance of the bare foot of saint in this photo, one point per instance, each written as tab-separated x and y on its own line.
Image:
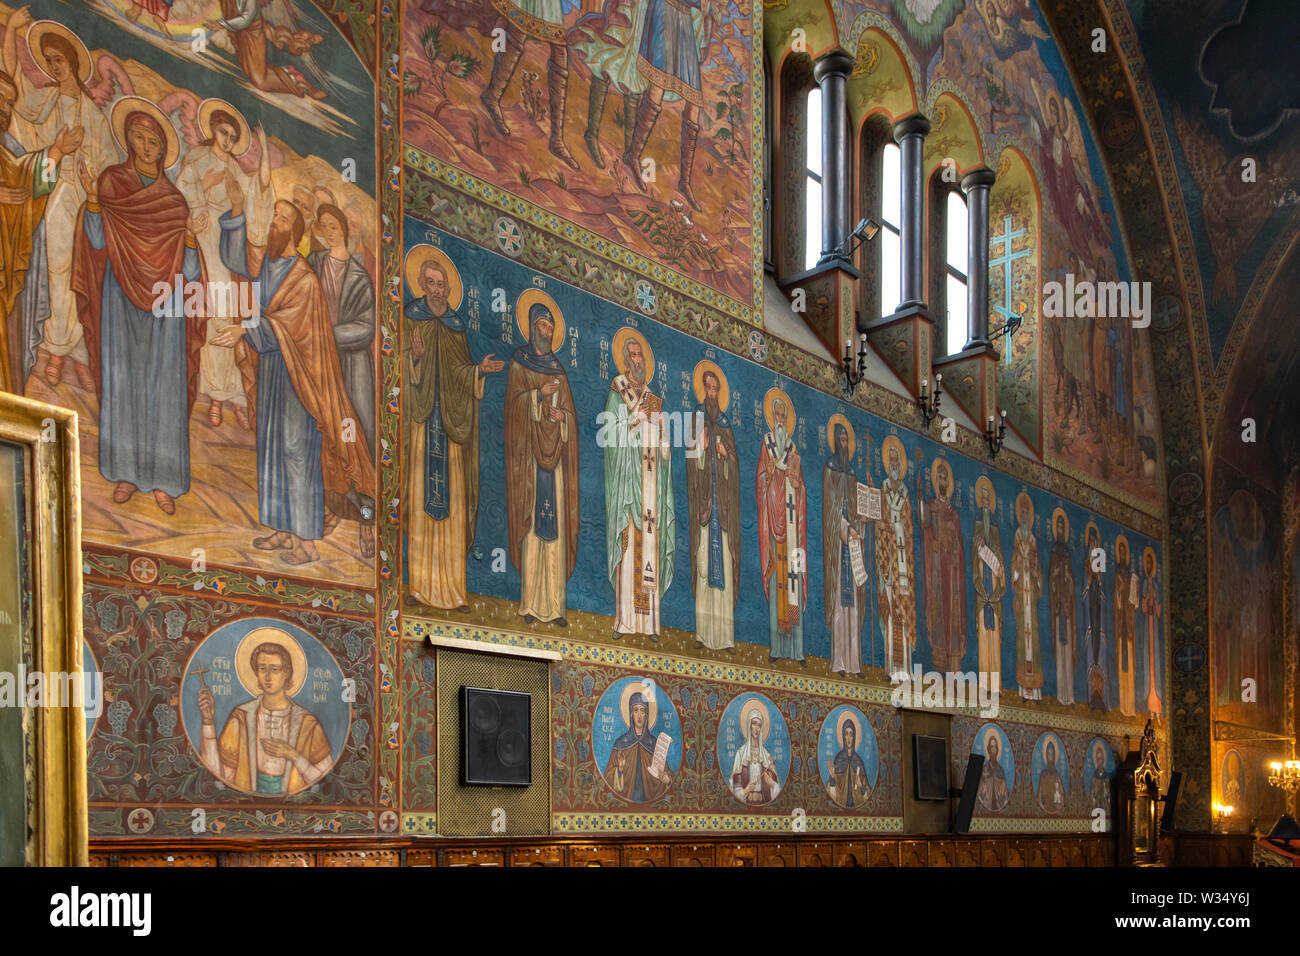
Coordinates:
274	542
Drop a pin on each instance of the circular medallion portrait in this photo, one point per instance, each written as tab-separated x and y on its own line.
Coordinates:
1050	773
753	749
998	778
636	739
847	757
263	706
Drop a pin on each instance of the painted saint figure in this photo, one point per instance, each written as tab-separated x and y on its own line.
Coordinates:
202	181
713	491
640	513
848	785
610	47
1027	588
541	20
843	532
631	771
1051	790
782	529
443	386
309	465
993	793
1152	608
270	745
39	114
541	440
1063	607
895	566
1099	780
674	41
945	571
1126	604
135	234
1094	621
754	777
24	195
988	571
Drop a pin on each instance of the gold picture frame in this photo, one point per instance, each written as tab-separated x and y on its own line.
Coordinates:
42	526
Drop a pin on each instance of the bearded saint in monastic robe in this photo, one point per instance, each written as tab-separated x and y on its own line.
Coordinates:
895	565
1126	603
443	388
1063	608
1094	624
713	491
945	572
1051	791
783	535
541	439
640	512
1027	588
988	569
842	530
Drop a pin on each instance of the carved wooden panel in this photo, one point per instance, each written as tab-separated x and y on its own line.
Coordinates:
993	853
913	853
882	853
777	854
741	855
422	856
968	852
850	854
538	856
685	854
360	858
271	858
818	854
473	858
1036	853
167	859
651	855
943	853
593	856
1016	853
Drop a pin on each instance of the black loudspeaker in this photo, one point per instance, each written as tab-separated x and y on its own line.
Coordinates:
969	789
495	738
1171	801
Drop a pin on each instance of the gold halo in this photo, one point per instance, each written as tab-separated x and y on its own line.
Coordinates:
1056	742
1099	745
1024	496
1091	525
1060	512
624	705
893	441
1118	539
210	106
839	419
849	715
269	635
769	400
527	299
724	390
417	256
40	29
1155	562
994	732
127	105
934	476
984	482
745	708
620	339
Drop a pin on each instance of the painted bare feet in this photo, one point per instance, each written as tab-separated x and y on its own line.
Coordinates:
84	378
241	416
214	413
331	522
274	542
304	553
54	370
165	502
123	492
367	541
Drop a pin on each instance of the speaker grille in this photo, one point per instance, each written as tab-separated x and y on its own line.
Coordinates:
470	811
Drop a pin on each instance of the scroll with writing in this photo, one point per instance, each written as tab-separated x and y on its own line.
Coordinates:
855	559
660	759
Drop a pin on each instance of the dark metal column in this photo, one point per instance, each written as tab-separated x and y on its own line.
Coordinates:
832	73
909	133
975	185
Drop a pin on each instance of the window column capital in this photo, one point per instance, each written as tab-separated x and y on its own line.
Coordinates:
914	125
978	178
836	63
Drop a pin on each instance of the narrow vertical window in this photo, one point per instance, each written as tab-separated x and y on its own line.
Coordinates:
956	334
891	245
813	228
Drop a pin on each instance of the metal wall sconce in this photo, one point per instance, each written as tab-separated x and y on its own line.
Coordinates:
854	369
864	231
995	436
929	403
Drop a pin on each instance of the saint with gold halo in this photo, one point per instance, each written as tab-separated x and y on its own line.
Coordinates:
713	491
783	529
442	390
640	510
269	745
843	533
989	574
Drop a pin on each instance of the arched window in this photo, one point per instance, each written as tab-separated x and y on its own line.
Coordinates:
891	214
879	260
813	179
955	280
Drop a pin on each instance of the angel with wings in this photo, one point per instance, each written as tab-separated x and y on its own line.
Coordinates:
1065	166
